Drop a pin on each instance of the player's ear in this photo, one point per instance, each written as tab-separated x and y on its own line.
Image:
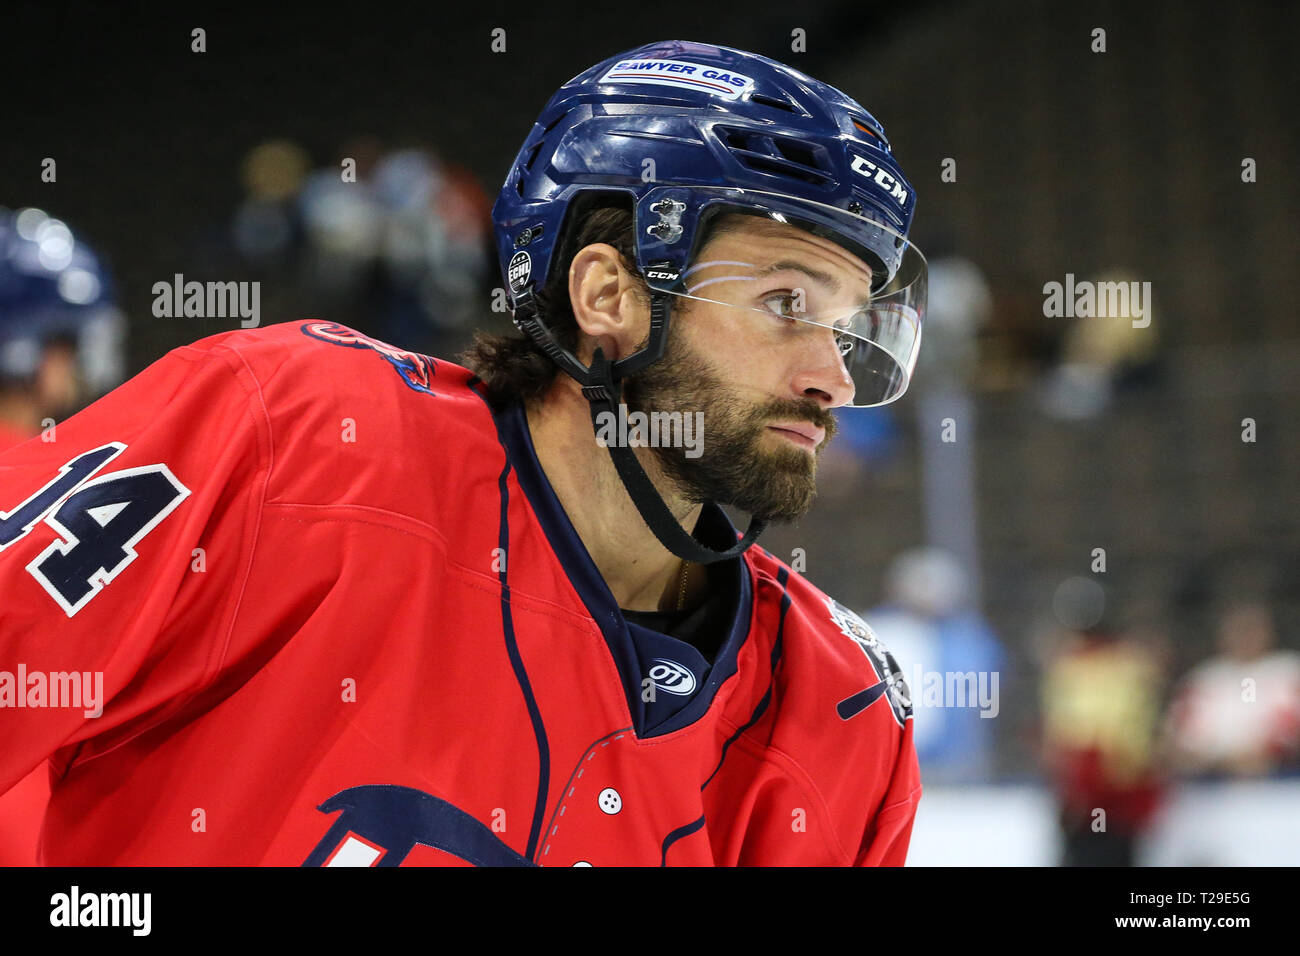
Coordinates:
605	304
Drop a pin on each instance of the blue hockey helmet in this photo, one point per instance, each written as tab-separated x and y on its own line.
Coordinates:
54	286
682	131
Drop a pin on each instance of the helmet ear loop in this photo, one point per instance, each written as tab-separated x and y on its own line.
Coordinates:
656	342
527	321
604	379
604	386
602	374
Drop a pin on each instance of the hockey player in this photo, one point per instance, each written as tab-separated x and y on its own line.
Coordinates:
353	605
60	346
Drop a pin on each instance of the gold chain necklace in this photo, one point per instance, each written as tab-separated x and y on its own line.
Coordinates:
681	597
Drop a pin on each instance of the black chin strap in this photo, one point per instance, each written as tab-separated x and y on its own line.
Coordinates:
604	394
601	388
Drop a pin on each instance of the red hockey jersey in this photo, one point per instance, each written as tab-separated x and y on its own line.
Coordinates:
293	596
22	808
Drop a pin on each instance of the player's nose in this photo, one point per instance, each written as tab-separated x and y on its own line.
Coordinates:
820	372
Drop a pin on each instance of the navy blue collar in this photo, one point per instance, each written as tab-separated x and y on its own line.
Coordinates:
628	652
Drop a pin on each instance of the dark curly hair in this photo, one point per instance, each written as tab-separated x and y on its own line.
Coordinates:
511	366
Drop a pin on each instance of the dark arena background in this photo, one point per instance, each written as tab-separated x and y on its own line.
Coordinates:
1078	536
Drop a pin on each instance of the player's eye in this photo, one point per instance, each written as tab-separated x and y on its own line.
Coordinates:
781	304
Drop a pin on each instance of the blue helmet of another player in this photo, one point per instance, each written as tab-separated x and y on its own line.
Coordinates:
53	286
683	132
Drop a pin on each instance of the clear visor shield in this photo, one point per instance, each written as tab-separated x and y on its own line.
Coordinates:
805	272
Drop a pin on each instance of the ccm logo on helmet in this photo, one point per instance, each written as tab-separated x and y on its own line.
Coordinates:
886	182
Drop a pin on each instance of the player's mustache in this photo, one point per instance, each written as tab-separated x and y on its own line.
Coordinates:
794	410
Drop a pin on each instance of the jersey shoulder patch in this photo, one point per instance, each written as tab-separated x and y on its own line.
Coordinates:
827	622
890	683
415	369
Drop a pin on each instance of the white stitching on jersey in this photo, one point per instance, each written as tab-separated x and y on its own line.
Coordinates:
591	753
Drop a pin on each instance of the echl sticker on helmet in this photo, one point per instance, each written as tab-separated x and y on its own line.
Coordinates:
682	74
521	267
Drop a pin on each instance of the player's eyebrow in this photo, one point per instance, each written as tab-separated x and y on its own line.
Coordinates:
791	264
825	278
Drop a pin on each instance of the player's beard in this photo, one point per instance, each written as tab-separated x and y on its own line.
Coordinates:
738	464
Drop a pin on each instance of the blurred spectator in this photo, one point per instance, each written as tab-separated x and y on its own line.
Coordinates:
1101	710
939	640
1238	713
342	225
1102	354
401	251
265	230
61	333
60	347
433	251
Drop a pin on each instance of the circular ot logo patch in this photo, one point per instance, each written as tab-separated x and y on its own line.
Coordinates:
672	677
